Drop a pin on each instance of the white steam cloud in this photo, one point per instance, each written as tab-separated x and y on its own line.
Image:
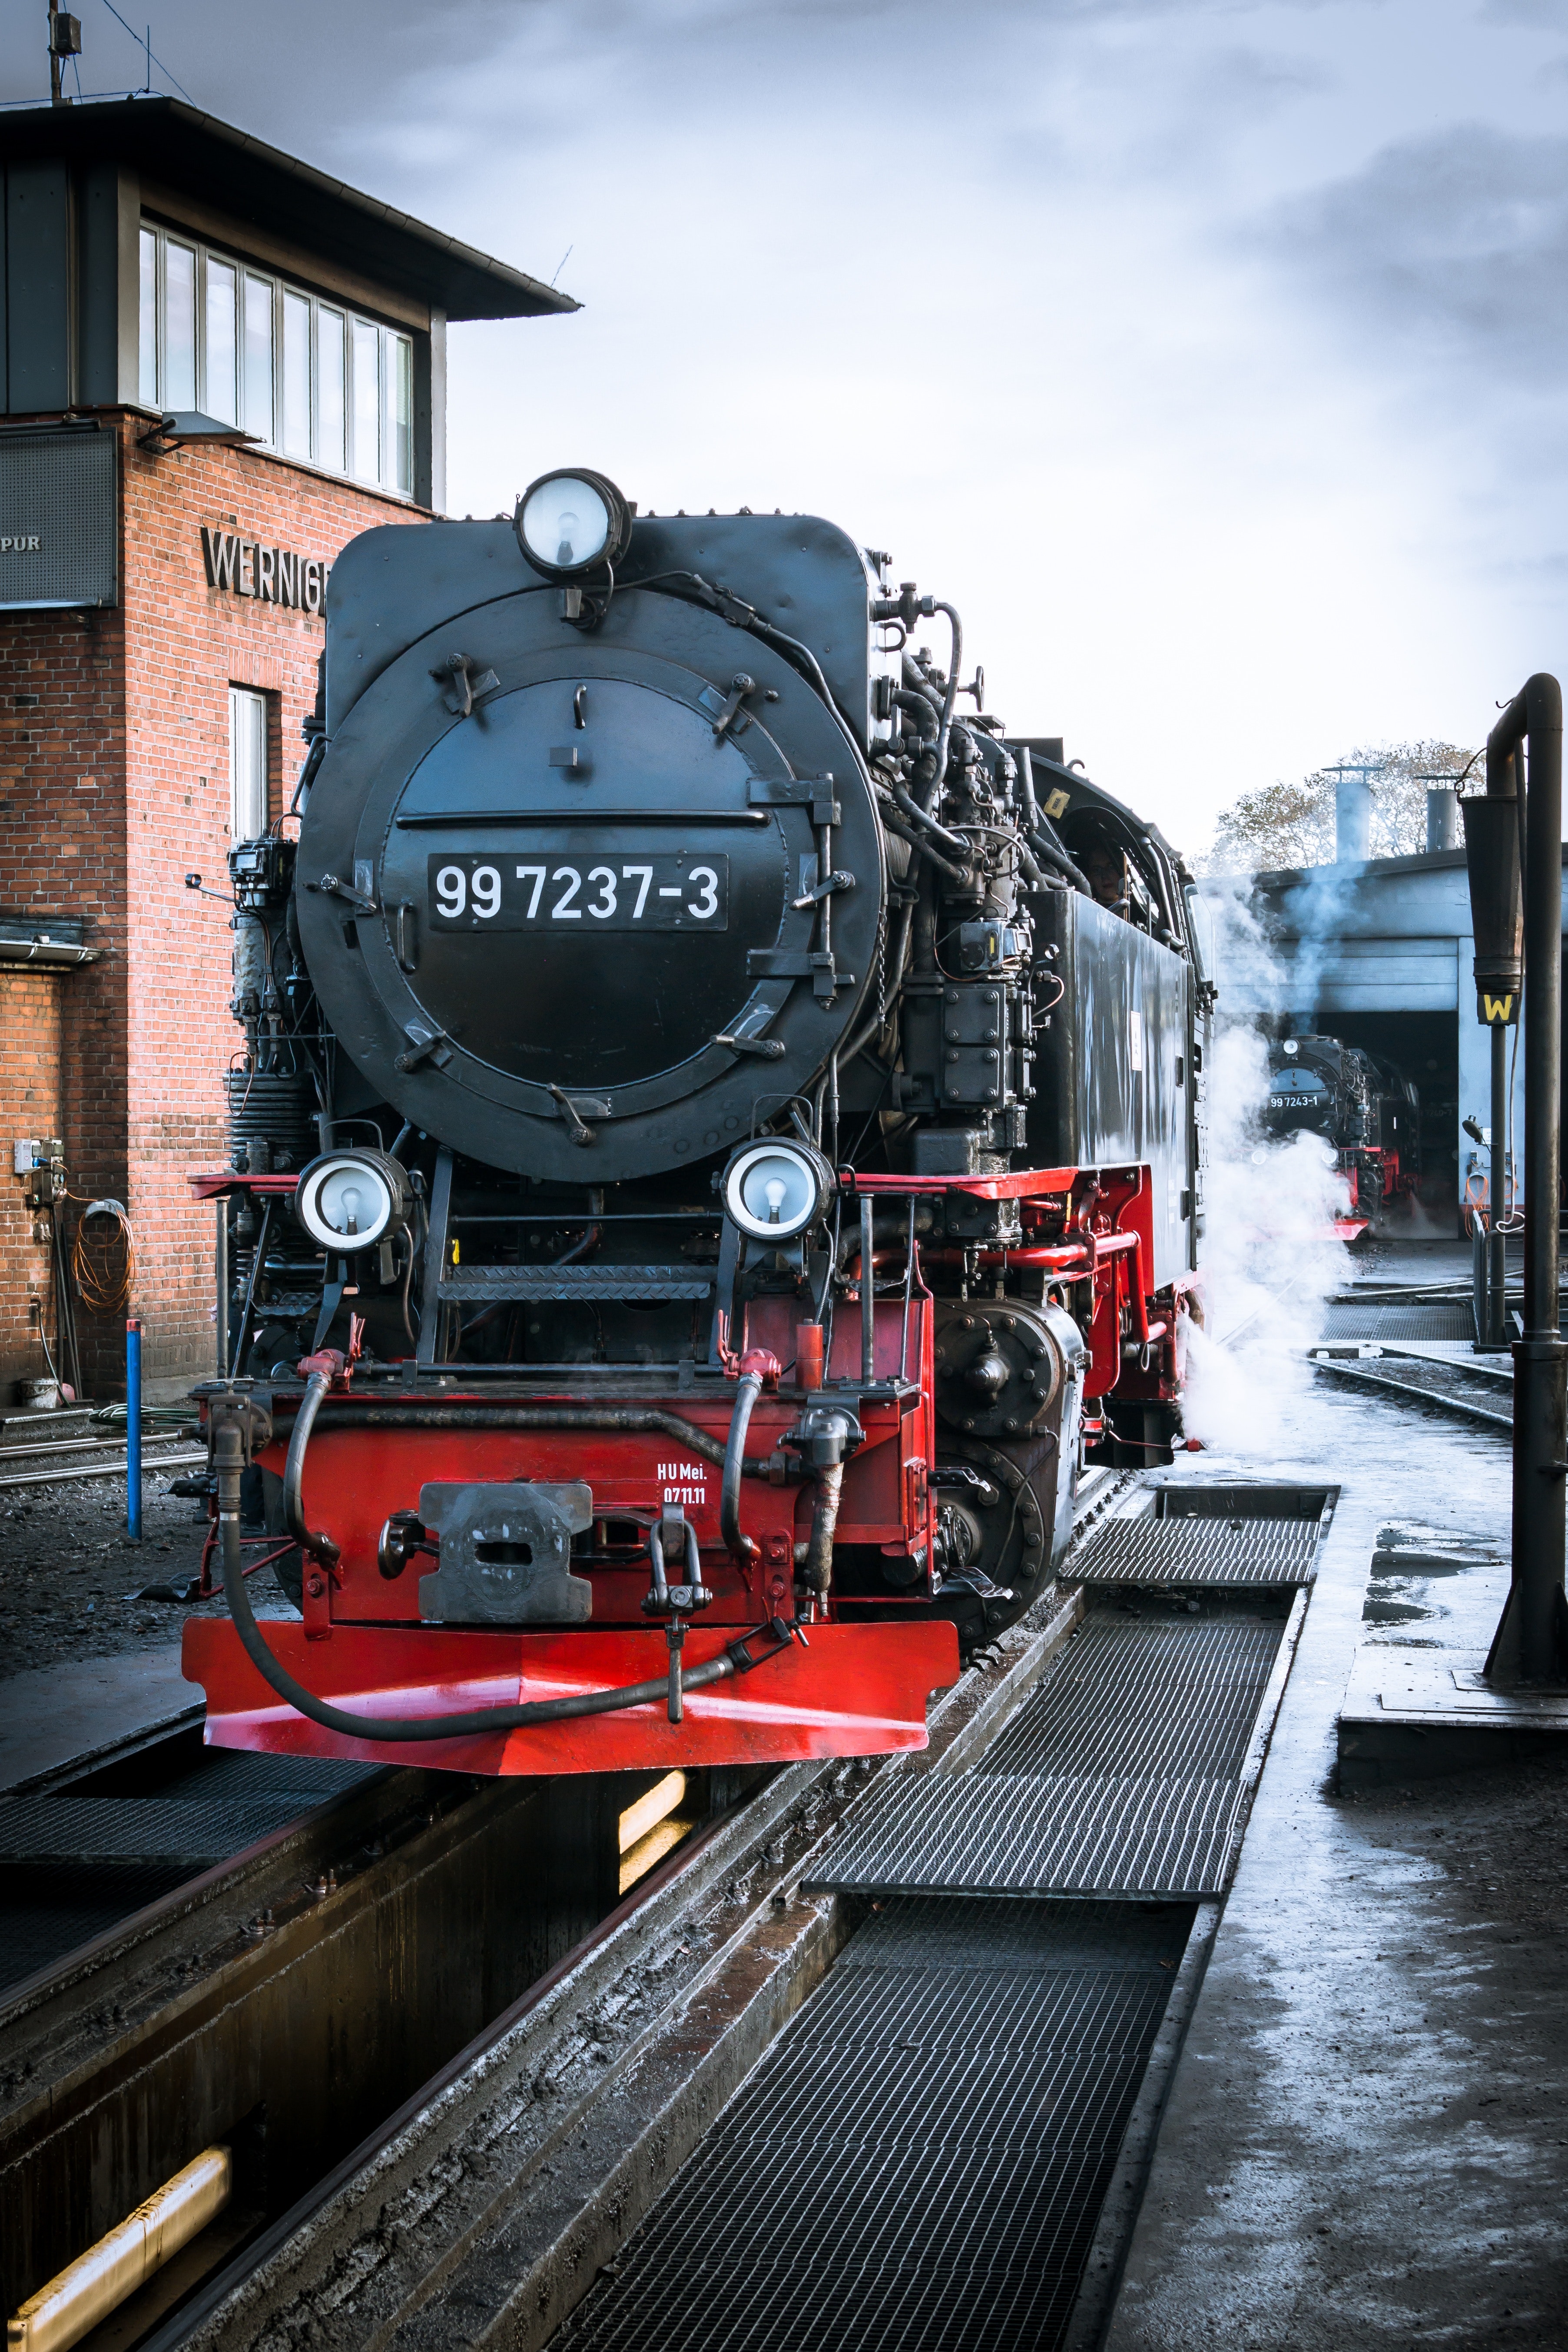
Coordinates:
1271	1252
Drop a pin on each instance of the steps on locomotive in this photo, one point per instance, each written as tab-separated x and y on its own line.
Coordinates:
958	2118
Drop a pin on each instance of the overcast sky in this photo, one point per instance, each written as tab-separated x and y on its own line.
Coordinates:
1208	354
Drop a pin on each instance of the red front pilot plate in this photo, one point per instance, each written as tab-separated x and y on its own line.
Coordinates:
858	1690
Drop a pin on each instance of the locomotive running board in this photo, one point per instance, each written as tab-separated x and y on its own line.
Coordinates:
858	1690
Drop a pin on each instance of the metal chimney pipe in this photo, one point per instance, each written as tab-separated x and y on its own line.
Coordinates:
1442	818
1353	820
1532	1640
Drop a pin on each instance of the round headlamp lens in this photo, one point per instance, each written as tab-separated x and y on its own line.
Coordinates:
565	523
774	1191
346	1200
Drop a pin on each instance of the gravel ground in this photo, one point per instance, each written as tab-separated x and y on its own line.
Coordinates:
70	1574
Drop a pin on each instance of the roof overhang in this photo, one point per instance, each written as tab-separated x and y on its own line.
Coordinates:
202	157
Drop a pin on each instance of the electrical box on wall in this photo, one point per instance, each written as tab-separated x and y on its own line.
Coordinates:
59	524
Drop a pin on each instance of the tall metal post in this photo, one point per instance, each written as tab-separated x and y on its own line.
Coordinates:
1531	1641
1496	1332
133	1429
867	1294
221	1279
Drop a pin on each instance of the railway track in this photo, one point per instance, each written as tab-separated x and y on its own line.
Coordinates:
1413	1343
456	2043
53	1449
1479	1391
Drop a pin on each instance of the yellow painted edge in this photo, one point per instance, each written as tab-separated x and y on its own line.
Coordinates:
660	1839
652	1806
97	2282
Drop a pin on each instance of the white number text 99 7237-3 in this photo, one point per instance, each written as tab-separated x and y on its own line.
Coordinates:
545	891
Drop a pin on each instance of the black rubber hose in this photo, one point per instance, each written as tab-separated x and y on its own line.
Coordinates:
746	1395
1063	864
919	702
924	847
916	816
321	1545
230	1463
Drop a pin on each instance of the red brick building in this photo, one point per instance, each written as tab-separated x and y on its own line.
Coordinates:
160	602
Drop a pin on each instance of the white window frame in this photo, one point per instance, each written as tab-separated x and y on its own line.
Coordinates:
396	360
248	776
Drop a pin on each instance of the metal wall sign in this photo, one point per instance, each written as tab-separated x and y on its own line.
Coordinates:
60	534
274	575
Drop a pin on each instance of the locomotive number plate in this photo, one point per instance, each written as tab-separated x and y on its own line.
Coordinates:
552	893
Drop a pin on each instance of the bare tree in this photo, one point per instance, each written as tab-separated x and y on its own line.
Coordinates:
1293	824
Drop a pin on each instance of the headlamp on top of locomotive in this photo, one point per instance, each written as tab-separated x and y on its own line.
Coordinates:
572	521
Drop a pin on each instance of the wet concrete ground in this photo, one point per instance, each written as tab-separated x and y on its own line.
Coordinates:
1366	2143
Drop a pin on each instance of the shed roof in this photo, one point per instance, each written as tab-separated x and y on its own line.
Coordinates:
202	157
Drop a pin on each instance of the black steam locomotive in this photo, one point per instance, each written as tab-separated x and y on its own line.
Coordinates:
1359	1103
719	1145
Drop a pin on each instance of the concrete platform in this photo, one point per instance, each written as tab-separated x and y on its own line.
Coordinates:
1407	1717
1366	2144
52	1715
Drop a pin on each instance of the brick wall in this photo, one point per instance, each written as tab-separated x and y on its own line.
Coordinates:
62	852
30	1010
115	785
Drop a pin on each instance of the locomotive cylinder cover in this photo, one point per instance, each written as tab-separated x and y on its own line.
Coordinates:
1000	1365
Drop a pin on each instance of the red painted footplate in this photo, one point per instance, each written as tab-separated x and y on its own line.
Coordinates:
858	1690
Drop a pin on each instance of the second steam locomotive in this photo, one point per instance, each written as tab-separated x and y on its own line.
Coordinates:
719	1146
1362	1106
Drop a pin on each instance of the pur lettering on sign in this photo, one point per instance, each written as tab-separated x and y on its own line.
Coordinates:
273	575
21	543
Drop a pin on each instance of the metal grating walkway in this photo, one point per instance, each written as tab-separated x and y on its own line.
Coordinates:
918	2163
1435	1318
1124	1773
71	1865
1239	1551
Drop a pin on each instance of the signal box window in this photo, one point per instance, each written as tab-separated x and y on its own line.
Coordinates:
246	763
311	380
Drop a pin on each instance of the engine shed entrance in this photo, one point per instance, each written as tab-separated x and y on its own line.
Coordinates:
217	366
1378	954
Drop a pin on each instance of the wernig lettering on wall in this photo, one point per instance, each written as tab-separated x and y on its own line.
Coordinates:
274	575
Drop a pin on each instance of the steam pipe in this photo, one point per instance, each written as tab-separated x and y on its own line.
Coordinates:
955	664
824	1525
358	1413
740	1546
1037	831
1495	1333
1531	1641
1061	861
918	700
917	816
868	1294
923	848
320	1545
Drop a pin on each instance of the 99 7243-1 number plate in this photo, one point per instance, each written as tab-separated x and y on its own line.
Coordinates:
572	895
